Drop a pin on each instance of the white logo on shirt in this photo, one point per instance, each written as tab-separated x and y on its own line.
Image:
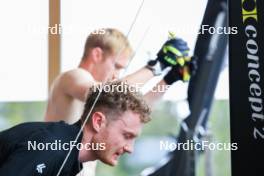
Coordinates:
40	168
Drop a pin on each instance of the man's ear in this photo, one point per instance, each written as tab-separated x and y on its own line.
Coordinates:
98	121
97	54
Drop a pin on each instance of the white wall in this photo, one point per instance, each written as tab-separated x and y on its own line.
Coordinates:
24	39
23	50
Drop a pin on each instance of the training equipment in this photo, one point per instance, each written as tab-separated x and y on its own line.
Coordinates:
247	86
210	50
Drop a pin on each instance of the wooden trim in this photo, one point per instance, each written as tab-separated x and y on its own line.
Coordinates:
54	46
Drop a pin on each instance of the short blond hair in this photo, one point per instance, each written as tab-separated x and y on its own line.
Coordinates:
114	102
110	40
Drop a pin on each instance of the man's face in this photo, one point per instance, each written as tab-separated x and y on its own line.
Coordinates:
118	136
111	66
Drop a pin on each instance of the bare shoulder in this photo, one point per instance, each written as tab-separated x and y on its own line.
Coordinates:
77	75
76	83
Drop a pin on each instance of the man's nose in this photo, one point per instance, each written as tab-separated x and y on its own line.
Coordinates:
129	148
115	75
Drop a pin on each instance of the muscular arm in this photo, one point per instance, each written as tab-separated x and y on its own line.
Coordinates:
153	96
140	77
66	89
76	85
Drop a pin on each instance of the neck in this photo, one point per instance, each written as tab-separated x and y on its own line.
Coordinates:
89	66
86	155
86	65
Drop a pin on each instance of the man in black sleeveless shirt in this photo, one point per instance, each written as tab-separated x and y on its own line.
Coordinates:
56	148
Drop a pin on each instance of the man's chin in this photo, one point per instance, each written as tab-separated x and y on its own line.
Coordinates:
110	162
115	163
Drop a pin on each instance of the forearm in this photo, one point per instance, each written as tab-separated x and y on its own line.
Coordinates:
156	93
140	77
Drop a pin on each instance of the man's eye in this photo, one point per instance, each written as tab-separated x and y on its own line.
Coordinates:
127	136
118	68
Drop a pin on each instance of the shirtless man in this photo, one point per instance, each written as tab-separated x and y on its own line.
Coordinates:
104	57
